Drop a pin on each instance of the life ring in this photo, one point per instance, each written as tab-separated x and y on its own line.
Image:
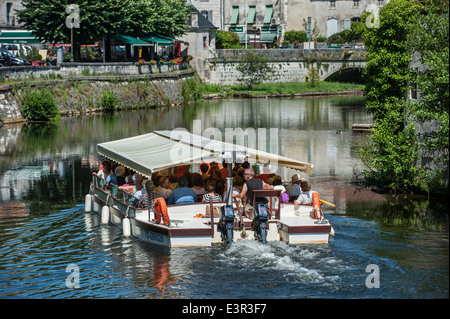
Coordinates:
316	205
161	209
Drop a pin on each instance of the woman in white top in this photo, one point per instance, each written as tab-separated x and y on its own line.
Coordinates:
305	197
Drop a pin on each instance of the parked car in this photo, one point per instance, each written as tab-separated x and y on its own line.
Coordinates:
9	59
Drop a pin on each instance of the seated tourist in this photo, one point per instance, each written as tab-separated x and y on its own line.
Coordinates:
197	182
149	196
120	175
182	194
267	170
128	180
204	168
238	182
173	178
305	197
136	190
211	192
293	188
164	189
109	174
277	184
138	186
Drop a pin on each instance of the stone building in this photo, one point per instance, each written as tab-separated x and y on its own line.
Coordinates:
328	16
262	22
200	41
8	17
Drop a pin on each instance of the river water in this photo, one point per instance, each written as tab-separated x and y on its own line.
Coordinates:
384	247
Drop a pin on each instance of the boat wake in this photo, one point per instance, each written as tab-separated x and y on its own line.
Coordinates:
281	262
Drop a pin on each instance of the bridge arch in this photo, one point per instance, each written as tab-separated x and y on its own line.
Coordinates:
350	74
342	70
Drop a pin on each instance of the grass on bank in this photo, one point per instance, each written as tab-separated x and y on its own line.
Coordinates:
280	88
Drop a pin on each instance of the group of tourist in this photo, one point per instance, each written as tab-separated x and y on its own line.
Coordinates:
183	186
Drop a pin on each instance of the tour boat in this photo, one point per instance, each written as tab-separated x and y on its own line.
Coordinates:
199	223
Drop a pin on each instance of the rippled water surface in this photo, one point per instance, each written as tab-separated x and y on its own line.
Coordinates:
45	173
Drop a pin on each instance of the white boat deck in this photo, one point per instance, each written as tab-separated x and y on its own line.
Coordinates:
183	216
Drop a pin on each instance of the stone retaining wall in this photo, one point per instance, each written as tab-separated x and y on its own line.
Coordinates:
77	69
290	65
83	94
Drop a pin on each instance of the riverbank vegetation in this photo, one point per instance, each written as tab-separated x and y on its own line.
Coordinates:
406	87
39	105
193	90
48	100
283	88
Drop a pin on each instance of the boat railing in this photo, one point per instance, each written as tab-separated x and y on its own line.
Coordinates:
125	200
98	181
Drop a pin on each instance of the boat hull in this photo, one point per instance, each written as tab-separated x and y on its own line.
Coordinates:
295	226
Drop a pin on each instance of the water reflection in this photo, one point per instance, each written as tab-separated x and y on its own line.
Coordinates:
50	162
45	172
315	114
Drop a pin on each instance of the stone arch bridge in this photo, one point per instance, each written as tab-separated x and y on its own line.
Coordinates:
290	65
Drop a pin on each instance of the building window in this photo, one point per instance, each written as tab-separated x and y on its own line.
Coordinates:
8	13
414	91
355	3
235	15
347	24
205	42
380	2
207	14
332	3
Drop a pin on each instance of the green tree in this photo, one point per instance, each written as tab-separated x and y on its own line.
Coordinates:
226	39
429	43
100	18
295	36
254	69
391	155
340	37
394	154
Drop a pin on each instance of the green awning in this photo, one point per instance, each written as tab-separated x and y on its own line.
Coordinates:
268	14
267	37
18	37
130	40
169	41
251	14
162	41
242	37
234	15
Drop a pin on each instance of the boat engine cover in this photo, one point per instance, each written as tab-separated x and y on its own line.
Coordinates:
262	212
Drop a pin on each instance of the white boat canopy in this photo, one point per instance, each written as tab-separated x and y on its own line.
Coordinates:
161	150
